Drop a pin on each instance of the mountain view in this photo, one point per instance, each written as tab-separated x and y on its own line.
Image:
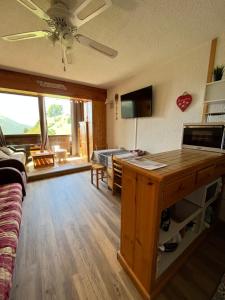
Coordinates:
58	123
12	127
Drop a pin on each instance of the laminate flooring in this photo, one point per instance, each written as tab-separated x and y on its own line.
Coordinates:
68	243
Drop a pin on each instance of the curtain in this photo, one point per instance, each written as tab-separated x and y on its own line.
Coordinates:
43	124
77	115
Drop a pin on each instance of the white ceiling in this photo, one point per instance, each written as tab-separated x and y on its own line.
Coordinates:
143	31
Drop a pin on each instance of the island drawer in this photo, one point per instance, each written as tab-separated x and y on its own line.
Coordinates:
220	168
176	190
205	175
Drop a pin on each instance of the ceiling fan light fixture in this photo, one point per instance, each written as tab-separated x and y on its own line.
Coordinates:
63	23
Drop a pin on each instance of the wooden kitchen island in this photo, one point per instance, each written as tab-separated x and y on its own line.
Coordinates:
144	195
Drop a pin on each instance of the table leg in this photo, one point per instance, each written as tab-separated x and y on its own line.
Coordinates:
97	178
92	176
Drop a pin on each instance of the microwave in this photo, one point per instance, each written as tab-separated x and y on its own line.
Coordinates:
204	136
207	194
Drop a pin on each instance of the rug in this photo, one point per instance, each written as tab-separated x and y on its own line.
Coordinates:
220	293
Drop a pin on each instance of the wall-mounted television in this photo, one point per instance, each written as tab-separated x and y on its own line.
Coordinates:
137	104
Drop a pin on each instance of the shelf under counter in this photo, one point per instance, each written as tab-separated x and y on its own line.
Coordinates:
167	259
175	227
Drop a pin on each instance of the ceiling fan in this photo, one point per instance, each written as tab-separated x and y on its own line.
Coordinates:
63	26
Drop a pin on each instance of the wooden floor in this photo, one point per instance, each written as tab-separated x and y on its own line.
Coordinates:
68	243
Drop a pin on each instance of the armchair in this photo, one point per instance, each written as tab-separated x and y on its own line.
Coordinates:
12	171
12	175
10	151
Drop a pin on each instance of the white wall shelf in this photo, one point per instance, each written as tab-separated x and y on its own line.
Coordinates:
215	100
192	208
175	227
216	113
214	109
215	82
168	258
215	91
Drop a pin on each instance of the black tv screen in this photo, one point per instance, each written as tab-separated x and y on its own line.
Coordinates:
137	104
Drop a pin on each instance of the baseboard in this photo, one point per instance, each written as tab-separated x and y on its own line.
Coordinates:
133	277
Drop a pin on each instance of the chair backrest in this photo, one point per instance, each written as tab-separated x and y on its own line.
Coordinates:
116	174
2	138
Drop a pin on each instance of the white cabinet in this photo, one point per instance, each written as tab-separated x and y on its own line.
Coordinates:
214	103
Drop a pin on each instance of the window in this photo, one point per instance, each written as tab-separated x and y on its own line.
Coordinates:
58	116
19	114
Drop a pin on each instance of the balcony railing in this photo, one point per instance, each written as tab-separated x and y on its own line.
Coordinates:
27	140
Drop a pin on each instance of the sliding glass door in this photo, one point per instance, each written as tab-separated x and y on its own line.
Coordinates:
51	122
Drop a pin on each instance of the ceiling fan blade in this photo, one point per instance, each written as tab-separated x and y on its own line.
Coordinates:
26	36
29	4
96	46
89	10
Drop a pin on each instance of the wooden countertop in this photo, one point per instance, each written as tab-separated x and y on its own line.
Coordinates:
178	162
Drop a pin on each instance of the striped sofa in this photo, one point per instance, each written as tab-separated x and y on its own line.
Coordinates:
10	218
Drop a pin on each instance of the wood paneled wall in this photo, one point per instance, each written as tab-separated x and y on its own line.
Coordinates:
11	81
99	125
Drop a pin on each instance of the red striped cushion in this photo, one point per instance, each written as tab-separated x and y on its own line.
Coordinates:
8	240
6	271
9	189
10	219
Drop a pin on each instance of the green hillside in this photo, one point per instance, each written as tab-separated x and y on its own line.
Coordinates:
12	127
58	123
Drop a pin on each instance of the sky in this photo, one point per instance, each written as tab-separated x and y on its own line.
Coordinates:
24	109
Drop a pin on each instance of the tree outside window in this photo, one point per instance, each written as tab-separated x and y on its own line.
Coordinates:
58	116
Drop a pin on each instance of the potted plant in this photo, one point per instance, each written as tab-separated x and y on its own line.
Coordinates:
218	72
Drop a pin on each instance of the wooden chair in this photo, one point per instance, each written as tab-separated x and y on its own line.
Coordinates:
116	176
98	171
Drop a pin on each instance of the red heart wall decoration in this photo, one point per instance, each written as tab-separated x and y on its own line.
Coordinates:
184	101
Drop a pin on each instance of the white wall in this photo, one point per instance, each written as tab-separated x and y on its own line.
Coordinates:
163	130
